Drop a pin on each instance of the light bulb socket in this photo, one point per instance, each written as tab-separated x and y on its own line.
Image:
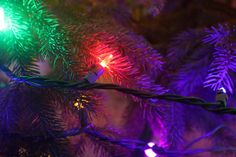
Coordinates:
93	76
221	97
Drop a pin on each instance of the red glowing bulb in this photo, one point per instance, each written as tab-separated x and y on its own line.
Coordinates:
105	62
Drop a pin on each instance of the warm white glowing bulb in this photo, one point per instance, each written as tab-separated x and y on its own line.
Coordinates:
104	63
3	24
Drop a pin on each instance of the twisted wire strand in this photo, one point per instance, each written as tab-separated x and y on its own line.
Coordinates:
42	82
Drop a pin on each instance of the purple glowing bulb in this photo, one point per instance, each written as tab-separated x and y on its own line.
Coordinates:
149	152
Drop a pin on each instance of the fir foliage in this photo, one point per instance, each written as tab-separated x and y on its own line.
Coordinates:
222	37
32	31
31	119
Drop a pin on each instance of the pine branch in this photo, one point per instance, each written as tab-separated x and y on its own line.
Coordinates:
191	75
100	41
104	148
183	46
223	58
31	111
174	127
32	31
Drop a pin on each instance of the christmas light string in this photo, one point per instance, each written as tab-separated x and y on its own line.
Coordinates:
88	83
151	149
42	82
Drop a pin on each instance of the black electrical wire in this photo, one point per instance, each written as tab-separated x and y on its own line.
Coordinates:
42	82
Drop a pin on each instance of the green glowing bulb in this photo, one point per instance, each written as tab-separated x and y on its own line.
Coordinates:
3	24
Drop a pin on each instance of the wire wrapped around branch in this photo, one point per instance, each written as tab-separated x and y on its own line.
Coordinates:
42	82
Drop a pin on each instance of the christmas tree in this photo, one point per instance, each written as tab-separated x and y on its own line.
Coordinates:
114	78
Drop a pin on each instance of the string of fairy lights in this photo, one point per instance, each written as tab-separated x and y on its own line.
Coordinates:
89	82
